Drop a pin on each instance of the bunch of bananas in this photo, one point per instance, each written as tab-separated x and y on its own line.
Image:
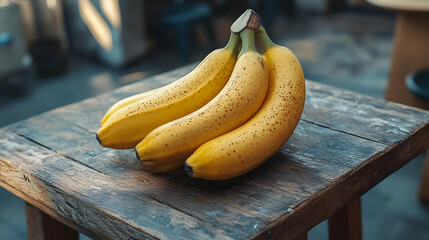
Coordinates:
226	117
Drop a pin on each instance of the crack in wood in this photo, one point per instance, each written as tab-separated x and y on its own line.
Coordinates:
203	221
273	190
84	128
59	153
342	131
176	208
26	178
320	160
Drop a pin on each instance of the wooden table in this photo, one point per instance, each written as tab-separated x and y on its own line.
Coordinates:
344	145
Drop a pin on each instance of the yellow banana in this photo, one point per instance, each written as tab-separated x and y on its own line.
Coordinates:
240	99
248	146
132	99
130	124
125	102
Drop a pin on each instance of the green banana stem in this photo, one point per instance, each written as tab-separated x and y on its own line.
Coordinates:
233	44
247	41
264	40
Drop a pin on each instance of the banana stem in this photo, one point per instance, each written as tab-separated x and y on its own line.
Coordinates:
247	41
264	40
233	44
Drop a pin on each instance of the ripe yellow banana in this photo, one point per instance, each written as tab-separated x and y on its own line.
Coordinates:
248	146
130	124
125	102
132	99
241	98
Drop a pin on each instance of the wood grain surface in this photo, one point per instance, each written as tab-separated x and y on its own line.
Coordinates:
344	145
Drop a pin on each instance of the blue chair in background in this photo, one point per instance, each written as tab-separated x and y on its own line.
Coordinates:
181	16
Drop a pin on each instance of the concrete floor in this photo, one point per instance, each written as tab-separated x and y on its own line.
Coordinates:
350	50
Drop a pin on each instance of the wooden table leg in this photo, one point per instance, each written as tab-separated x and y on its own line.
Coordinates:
424	182
303	236
41	226
346	224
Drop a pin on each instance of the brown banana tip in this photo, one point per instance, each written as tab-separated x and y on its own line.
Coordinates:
137	154
189	170
98	139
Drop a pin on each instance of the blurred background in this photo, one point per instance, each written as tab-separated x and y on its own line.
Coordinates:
56	52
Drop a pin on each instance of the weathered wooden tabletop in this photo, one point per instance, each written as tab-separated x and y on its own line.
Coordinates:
344	145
